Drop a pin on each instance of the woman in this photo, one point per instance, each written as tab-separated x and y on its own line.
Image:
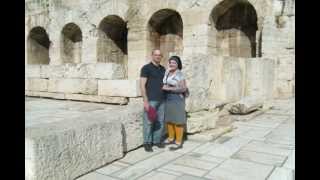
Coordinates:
175	116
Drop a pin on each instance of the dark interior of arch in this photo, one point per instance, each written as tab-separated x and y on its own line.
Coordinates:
166	22
237	14
72	32
40	35
166	33
38	46
71	43
116	29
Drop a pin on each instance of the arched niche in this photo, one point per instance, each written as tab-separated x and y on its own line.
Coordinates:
71	43
112	40
234	29
166	33
38	46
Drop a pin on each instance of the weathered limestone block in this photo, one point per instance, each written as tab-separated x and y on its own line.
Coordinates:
246	105
137	58
36	84
45	94
83	86
285	73
131	120
246	117
260	77
211	134
136	101
198	81
68	149
284	88
191	19
224	115
108	71
96	98
233	78
76	70
32	71
52	71
197	41
196	30
201	121
84	70
125	88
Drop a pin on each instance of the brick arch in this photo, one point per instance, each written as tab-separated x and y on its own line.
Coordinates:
38	44
71	43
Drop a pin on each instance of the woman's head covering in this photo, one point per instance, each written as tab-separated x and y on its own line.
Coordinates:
178	61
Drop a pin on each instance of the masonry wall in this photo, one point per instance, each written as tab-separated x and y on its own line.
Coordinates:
114	81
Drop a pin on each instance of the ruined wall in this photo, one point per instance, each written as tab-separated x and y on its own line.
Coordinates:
278	42
97	47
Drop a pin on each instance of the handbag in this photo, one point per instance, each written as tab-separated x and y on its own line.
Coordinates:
186	93
152	114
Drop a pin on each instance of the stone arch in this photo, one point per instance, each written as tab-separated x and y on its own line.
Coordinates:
71	43
165	28
233	30
38	44
112	40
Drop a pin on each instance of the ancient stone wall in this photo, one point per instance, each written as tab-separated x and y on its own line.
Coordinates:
93	50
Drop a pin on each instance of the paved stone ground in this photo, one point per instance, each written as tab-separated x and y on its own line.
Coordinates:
261	148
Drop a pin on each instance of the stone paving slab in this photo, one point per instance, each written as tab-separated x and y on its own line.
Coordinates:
290	163
195	163
263	147
170	171
107	170
282	174
188	146
189	177
206	157
240	128
145	166
268	159
203	148
256	133
96	176
228	148
139	155
233	169
185	169
156	175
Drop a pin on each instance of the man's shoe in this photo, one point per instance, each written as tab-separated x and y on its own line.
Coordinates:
176	147
148	147
160	145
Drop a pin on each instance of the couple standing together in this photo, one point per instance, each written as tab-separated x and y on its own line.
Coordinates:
163	91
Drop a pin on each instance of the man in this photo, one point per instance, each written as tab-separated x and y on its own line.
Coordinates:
151	89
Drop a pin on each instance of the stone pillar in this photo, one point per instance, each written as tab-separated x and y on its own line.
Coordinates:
139	51
89	46
195	39
55	49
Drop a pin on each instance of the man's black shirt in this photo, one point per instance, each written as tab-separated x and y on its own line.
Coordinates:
154	75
